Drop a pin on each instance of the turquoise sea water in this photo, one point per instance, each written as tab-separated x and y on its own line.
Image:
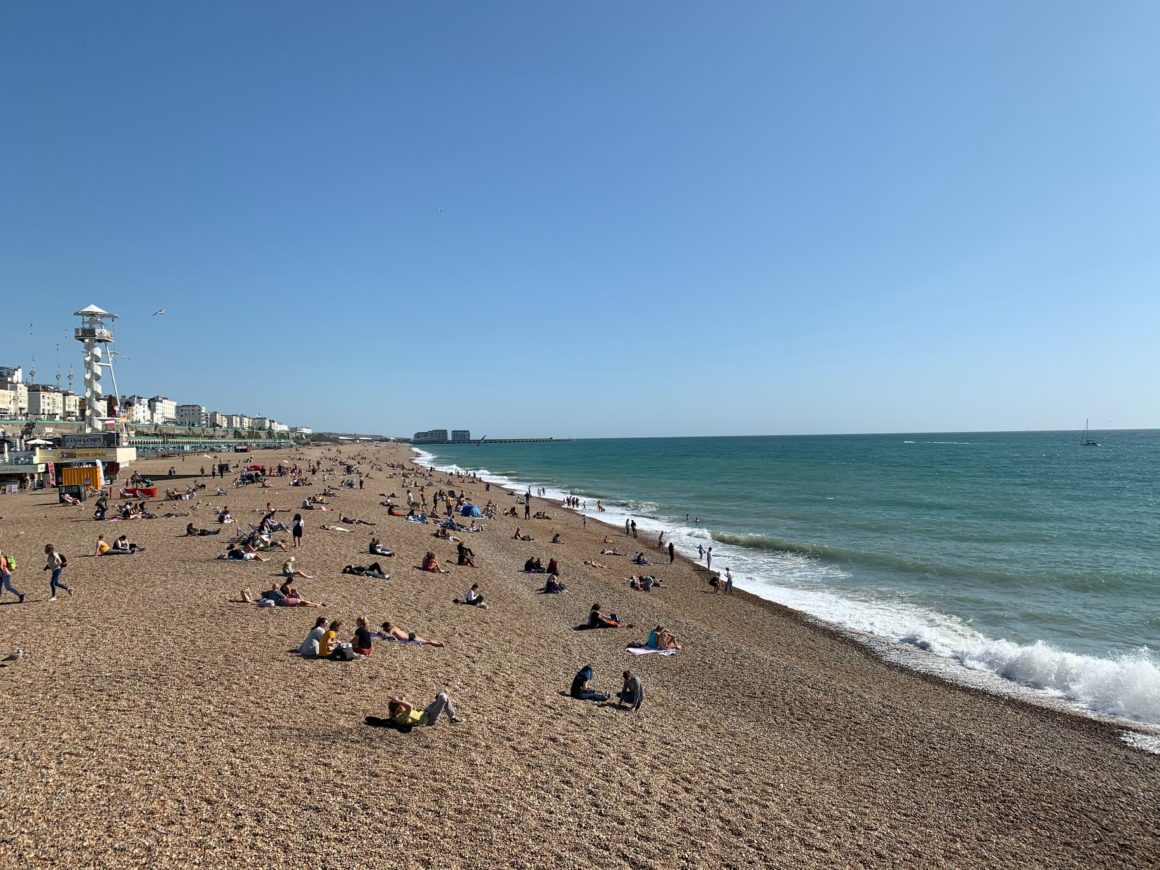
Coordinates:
1024	555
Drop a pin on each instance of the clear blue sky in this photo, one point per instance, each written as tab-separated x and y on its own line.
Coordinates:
594	219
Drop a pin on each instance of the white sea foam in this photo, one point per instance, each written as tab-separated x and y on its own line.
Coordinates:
1125	686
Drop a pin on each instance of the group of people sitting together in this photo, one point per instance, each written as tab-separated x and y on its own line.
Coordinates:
631	693
323	642
121	546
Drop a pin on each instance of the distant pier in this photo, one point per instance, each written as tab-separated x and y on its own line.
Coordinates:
478	441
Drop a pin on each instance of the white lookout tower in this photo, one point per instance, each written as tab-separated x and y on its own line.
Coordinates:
94	335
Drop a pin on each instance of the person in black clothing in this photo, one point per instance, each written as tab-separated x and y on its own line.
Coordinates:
672	552
362	637
581	686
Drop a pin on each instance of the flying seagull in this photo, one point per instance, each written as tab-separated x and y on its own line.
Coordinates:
158	312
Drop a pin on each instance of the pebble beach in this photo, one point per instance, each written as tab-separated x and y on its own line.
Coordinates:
158	720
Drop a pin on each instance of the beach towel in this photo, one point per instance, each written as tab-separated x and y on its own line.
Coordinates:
646	650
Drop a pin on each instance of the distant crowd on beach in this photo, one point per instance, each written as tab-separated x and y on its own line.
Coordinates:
442	504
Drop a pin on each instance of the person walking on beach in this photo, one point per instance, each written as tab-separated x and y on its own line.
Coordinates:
700	551
709	559
672	552
728	582
296	530
55	563
633	524
6	569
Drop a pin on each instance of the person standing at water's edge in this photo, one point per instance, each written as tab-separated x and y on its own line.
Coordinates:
55	563
672	552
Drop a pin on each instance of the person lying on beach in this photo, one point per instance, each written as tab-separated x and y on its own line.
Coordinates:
662	638
393	632
236	553
354	521
631	693
330	527
465	556
404	715
122	546
430	563
594	564
362	637
473	597
309	647
377	549
192	531
607	540
71	500
288	570
443	534
540	515
598	619
582	686
553	585
643	584
519	536
263	541
374	569
612	552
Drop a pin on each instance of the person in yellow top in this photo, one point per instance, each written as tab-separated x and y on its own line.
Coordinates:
329	639
402	713
102	546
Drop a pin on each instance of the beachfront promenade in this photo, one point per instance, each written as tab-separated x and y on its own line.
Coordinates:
155	720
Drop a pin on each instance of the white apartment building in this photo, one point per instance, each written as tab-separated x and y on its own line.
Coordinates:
260	423
192	415
7	402
72	406
135	409
163	410
45	402
218	420
278	427
238	421
18	404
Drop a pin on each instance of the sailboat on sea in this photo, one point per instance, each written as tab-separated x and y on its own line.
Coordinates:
1084	440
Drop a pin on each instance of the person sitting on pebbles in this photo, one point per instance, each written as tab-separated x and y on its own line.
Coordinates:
122	546
288	570
377	549
473	597
599	619
582	689
430	563
553	586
